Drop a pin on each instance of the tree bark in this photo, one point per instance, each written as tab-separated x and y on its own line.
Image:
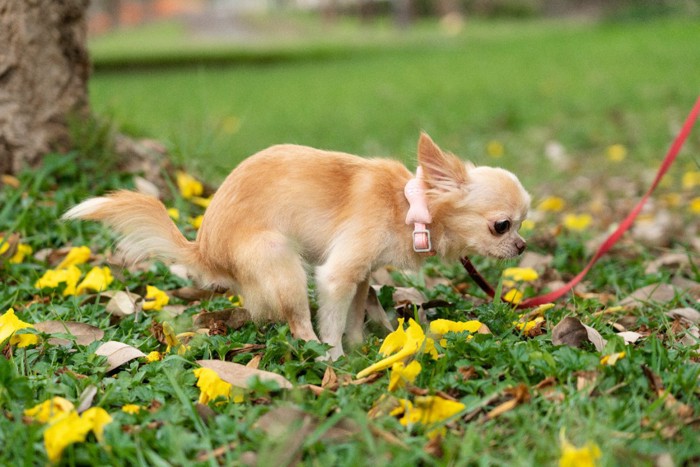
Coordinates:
44	70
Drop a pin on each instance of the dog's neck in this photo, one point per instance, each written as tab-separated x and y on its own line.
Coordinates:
418	214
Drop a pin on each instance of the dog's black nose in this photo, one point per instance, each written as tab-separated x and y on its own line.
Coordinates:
520	244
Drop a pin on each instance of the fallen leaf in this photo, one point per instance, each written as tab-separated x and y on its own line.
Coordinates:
536	261
122	304
118	353
86	398
239	375
84	333
375	311
673	261
146	187
254	362
660	293
407	295
519	394
234	318
330	379
690	315
570	331
630	337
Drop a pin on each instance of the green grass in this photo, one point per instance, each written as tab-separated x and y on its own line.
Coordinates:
523	84
584	85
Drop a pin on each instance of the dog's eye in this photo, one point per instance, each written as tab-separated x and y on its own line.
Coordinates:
501	227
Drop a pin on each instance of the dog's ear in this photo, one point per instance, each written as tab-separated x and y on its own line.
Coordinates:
442	171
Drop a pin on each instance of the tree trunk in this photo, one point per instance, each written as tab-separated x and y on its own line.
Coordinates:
44	69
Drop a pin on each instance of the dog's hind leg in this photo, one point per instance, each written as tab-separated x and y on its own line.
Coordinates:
274	284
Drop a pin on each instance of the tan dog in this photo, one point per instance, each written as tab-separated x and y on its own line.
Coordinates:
290	207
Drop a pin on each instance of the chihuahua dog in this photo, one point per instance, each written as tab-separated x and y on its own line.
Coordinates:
291	208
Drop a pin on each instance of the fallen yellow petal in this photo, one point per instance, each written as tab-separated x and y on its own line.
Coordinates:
96	280
551	204
188	185
50	410
98	419
520	274
70	428
571	456
577	222
402	374
394	341
427	410
211	385
10	323
76	255
513	296
132	409
155	299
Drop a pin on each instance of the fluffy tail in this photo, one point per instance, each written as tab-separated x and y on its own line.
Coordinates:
144	226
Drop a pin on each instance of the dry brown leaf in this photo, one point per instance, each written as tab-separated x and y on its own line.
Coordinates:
118	353
240	376
84	333
234	318
570	331
691	315
586	381
659	293
536	261
434	447
288	427
520	394
630	337
254	362
673	261
407	296
86	398
123	304
330	379
684	411
375	311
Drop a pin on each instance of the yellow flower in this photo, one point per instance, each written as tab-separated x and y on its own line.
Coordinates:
443	326
414	339
9	324
616	153
24	340
76	255
98	419
97	280
690	180
174	214
571	456
694	206
612	359
402	374
70	428
211	386
513	296
394	341
577	222
50	410
199	201
236	300
154	356
520	274
172	339
156	299
528	326
19	254
65	425
196	222
551	204
53	277
188	185
131	409
495	149
427	410
527	225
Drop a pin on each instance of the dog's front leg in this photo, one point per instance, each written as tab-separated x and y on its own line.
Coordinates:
337	286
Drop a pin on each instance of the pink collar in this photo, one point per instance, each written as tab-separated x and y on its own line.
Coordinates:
418	213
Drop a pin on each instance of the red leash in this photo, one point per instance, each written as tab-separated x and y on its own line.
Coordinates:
613	238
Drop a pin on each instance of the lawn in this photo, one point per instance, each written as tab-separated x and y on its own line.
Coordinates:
580	111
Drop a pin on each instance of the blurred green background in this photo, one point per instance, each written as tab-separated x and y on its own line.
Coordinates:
539	87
